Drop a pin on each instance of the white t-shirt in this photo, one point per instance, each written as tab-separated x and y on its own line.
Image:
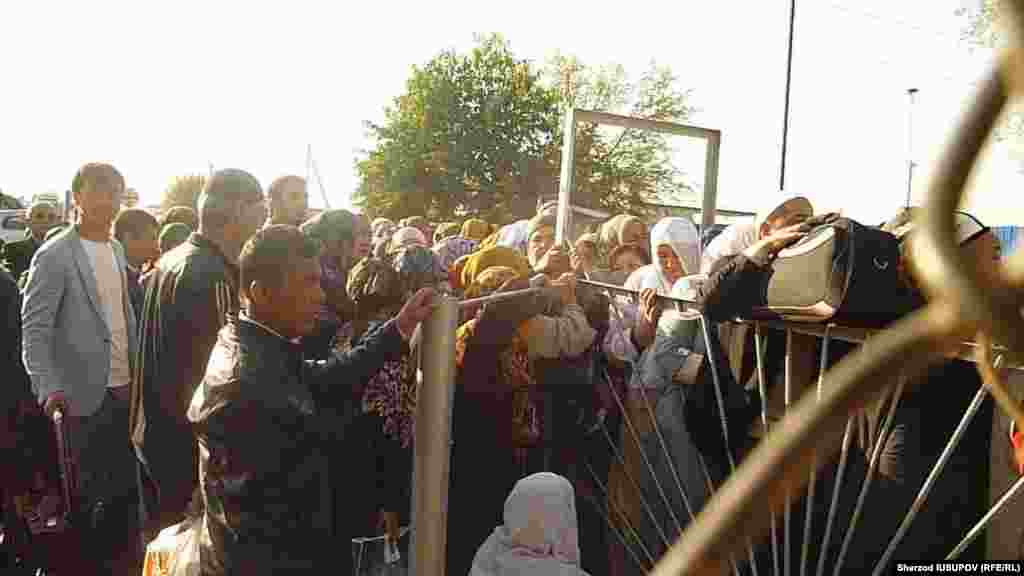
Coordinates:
111	291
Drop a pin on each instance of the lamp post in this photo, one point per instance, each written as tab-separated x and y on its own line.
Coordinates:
911	92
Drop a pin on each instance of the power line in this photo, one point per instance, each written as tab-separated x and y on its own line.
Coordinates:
890	20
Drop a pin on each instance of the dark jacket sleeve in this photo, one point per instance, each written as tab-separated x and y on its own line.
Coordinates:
498	324
733	288
342	376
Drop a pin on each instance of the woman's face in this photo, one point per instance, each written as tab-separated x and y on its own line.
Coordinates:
986	253
361	239
628	262
669	263
635	233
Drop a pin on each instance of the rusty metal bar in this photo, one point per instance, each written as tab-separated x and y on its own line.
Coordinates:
976	531
929	482
432	448
762	390
813	481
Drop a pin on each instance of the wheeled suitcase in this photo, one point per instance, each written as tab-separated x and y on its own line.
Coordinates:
56	539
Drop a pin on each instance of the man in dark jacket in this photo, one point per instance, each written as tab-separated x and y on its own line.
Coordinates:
189	294
18	255
260	421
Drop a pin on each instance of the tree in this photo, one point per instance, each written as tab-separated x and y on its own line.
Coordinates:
621	169
984	31
183	191
480	134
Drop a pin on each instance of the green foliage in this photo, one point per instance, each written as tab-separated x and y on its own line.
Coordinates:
480	134
183	191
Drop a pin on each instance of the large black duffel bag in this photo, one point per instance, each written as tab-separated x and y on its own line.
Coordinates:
842	272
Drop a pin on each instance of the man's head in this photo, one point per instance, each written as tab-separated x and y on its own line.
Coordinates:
979	248
97	190
787	213
334	231
288	200
231	209
183	215
136	230
280	279
41	217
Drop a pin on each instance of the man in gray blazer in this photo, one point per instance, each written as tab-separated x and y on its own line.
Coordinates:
79	342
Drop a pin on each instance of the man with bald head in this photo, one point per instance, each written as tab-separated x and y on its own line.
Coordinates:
288	201
42	216
189	294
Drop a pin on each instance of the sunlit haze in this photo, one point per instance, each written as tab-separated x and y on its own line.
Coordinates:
164	89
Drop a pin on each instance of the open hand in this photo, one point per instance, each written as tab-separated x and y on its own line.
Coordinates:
416	310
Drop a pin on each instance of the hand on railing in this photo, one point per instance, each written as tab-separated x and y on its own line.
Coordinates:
416	310
56	405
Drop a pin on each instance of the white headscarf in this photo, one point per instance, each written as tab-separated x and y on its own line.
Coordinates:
514	235
738	237
681	235
539	537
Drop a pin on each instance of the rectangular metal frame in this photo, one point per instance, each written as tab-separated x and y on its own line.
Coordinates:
711	137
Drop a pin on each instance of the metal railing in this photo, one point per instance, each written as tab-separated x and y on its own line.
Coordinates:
815	427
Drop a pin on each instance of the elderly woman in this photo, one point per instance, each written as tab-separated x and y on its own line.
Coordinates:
335	231
538	537
446	230
408	236
503	353
476	229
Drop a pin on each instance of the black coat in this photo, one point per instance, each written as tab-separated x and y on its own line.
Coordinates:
265	442
17	256
188	297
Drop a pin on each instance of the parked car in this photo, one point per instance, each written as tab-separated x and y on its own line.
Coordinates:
12	225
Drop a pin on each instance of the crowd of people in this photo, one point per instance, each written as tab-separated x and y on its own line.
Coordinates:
246	378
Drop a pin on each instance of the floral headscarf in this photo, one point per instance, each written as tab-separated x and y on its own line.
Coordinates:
446	230
476	229
407	236
417	267
490	280
451	249
496	256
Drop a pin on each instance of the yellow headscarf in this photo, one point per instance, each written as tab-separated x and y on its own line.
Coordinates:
490	280
494	256
476	229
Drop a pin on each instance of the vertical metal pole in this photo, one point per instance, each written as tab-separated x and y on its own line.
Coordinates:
566	182
910	143
432	448
787	539
710	200
785	110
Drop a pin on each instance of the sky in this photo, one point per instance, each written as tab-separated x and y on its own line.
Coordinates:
164	89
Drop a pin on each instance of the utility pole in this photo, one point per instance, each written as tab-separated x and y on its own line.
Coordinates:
911	92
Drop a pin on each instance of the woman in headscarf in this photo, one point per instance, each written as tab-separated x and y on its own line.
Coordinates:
382	228
407	236
453	248
335	231
774	214
445	231
585	256
385	421
539	536
476	229
500	353
622	229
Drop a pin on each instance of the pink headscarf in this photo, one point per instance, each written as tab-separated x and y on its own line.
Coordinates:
539	537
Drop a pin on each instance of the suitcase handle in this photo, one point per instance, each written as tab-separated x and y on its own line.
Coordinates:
66	461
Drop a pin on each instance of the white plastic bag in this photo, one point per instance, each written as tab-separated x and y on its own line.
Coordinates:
175	551
377	557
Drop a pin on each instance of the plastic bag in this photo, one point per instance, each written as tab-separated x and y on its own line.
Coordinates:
175	551
377	557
